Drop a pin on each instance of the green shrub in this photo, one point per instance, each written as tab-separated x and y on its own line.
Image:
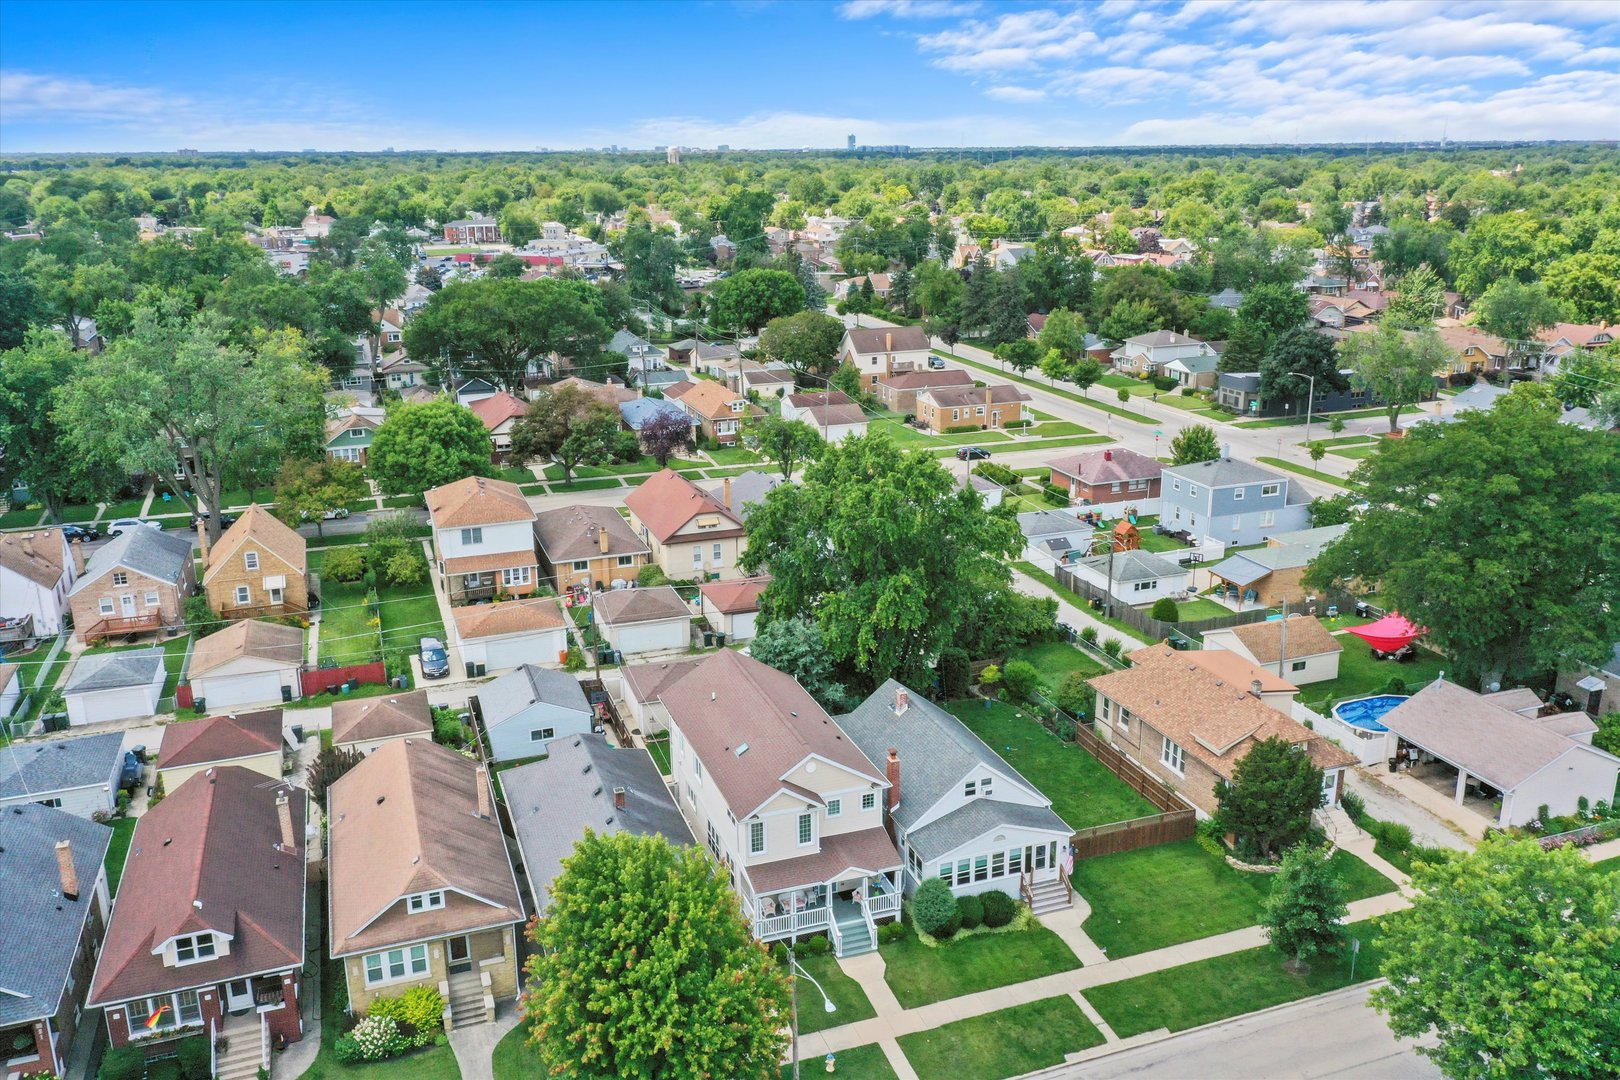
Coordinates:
193	1054
935	909
575	661
369	578
969	912
651	575
816	946
1355	807
1075	695
960	429
1164	609
1188	391
990	677
997	474
404	567
123	1063
347	1051
1163	382
346	564
892	931
1113	647
999	908
1021	679
448	730
419	1012
1088	634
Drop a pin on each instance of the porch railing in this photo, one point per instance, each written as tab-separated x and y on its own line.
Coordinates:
776	925
836	934
213	1048
1068	887
884	904
1024	889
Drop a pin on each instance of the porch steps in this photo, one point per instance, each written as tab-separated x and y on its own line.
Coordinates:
240	1061
466	1002
1048	896
856	938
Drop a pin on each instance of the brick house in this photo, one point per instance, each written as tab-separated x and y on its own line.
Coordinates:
957	408
483	539
898	392
473	230
258	568
135	584
689	532
718	412
880	351
588	545
1107	476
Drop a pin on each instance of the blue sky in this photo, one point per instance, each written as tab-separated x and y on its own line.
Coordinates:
483	76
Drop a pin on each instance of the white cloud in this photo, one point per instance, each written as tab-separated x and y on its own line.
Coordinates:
26	96
904	9
1016	93
1015	40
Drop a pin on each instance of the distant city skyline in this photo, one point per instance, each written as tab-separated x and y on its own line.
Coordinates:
136	77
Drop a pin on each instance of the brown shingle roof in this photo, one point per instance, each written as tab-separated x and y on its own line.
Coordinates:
573	532
477	500
609	395
1236	670
403	821
922	380
713	401
208	857
648	681
508	617
263	640
1107	466
869	849
883	339
619	607
368	719
258	529
819	397
1306	637
220	738
497	409
668	500
495	560
734	597
40	555
950	397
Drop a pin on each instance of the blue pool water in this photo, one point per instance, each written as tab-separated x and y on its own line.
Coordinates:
1364	712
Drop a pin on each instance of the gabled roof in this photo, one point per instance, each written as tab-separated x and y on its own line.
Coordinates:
829	416
637	412
1235	670
1114	465
261	640
517	690
575	532
508	617
554	800
621	607
366	719
403	821
741	492
153	552
950	397
1306	637
734	597
39	555
257	529
33	768
819	397
1160	338
497	409
208	857
667	501
752	725
714	401
221	738
115	670
1135	566
884	339
1224	472
649	680
477	500
921	380
40	935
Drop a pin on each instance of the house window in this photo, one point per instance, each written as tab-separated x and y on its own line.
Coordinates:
189	950
190	1007
1015	861
152	599
356	433
868	801
970	789
979	411
945	871
120	578
515	575
806	823
984	785
835	807
1143	586
55	804
243	594
1237	494
251	560
718	557
1173	756
1114	487
1268	490
964	871
542	734
1268	519
714	840
981	867
1192	490
998	864
425	901
472	536
106	605
396	964
956	414
756	838
1297	665
627	560
1175	485
697	555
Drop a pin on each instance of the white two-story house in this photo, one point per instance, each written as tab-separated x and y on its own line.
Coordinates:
1149	353
959	811
37	570
1235	502
483	539
784	800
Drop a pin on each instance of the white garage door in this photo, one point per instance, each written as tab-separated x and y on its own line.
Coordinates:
742	626
240	690
532	649
98	707
653	637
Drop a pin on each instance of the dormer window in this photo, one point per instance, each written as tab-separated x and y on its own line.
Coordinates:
425	901
251	559
194	949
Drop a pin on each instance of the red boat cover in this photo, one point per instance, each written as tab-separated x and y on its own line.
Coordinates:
1389	633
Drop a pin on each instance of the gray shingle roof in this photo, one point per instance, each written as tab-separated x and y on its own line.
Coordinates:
1039	523
152	552
555	800
1136	566
1225	471
32	769
39	937
967	823
937	753
747	489
114	671
517	690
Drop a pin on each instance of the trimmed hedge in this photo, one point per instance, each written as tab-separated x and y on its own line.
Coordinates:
970	909
999	908
935	910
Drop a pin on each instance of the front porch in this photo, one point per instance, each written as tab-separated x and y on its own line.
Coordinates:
847	909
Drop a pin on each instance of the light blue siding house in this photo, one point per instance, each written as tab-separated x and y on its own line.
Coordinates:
525	709
1235	502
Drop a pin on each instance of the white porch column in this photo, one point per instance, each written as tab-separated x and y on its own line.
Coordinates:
1462	784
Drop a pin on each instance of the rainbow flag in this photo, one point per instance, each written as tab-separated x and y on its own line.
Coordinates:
156	1018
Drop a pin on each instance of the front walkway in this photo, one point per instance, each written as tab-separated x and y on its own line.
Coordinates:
474	1046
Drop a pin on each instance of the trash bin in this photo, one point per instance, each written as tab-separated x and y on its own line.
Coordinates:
720	640
708	638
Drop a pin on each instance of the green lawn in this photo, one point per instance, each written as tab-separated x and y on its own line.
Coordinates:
1355	452
1152	541
125	509
22	518
174	655
346	636
1321	418
1193	610
1059	391
1360	880
1001	1044
1059	427
1083	792
1055	660
409	613
1349	440
1209	990
78	513
858	1062
118	850
919	974
734	455
1360	674
589	485
845	992
659	749
513	1059
644	466
908	436
1608	866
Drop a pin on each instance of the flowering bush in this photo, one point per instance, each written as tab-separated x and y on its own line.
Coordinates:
419	1012
378	1037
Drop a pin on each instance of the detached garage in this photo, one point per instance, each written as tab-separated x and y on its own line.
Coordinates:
114	686
496	637
644	620
524	710
732	607
247	663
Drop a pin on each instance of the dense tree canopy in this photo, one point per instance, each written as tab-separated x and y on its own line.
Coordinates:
422	446
496	328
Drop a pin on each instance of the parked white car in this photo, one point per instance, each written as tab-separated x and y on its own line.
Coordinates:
123	525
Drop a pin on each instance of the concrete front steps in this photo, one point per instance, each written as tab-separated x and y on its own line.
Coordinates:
466	1002
856	938
1048	896
241	1059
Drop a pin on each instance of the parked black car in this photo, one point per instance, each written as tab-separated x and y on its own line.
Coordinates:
80	532
225	520
972	453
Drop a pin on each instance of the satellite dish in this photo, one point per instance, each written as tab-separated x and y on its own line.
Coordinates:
1495	686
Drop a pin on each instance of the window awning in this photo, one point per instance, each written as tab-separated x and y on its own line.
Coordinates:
276	581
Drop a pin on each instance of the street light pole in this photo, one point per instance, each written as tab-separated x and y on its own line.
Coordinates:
794	971
1310	401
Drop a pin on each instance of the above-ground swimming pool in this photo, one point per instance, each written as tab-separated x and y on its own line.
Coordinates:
1365	712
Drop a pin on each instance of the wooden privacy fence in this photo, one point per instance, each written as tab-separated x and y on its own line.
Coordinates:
1137	778
1175	821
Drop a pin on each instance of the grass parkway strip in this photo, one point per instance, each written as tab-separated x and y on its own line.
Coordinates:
1092	402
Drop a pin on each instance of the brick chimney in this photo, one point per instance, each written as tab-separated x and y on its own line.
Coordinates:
1108	455
725	490
78	558
289	842
618	798
893	766
483	792
202	539
602	540
888	342
66	869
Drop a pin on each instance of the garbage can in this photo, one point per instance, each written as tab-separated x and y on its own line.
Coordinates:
708	638
720	640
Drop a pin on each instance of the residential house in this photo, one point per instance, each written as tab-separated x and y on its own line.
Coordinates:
1474	352
898	393
741	493
1190	727
55	886
1502	753
1054	537
114	686
258	568
499	412
831	412
421	889
702	353
483	539
643	620
349	434
989	492
400	372
78	776
473	390
1146	354
878	352
316	226
1298	648
612	395
784	801
959	408
588	546
958	811
474	230
37	571
585	784
390	329
731	607
253	741
1339	312
882	285
365	724
1197	371
1240	392
1595	687
1108	476
691	533
767	382
247	663
719	413
136	583
642	687
1227	298
1565	339
643	355
1274	575
208	932
1133	577
1234	502
1035	323
522	711
1484	395
637	413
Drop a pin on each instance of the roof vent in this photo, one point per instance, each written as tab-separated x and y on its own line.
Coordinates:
741	750
597	792
587	767
167	841
711	695
197	904
380	799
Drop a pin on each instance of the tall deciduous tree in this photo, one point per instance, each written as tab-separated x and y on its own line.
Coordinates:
1517	312
1269	801
795	645
1193	444
1397	366
787	443
1589	282
887	550
808	341
1420	299
569	426
645	969
749	299
306	490
1022	354
36	454
1064	331
1128	318
427	444
1510	957
650	259
1295	354
1304	913
1084	373
497	328
1456	533
667	434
